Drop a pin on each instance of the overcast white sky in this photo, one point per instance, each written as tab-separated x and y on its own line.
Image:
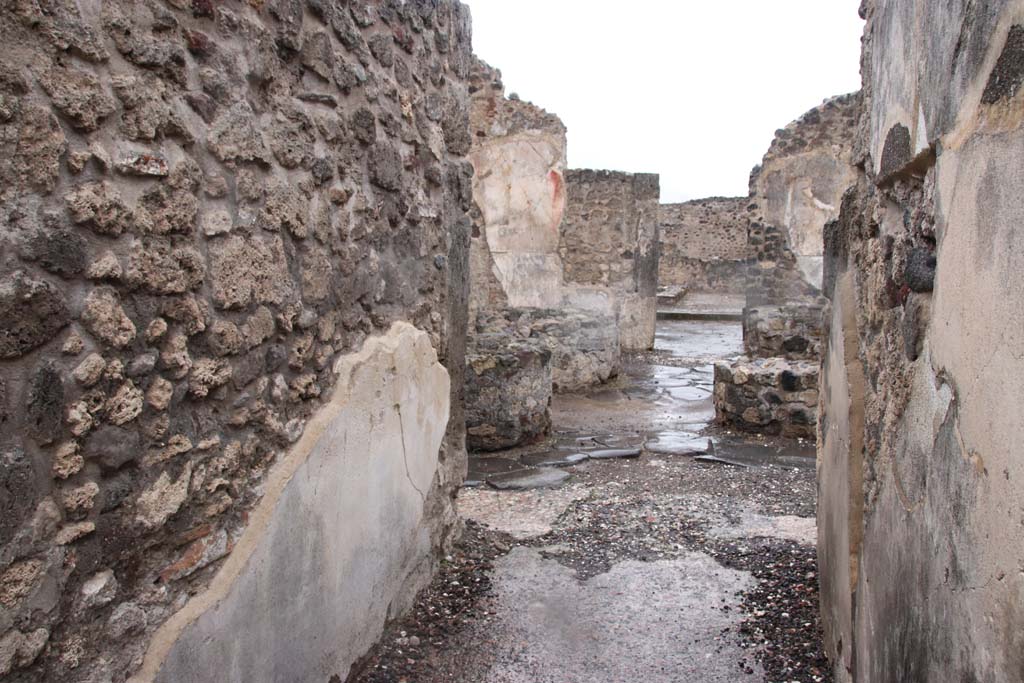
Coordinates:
691	89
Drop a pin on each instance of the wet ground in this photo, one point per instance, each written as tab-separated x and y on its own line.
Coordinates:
639	544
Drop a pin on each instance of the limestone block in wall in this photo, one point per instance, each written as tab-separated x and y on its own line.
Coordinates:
508	392
767	396
301	597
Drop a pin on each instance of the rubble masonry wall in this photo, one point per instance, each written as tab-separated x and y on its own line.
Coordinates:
795	191
609	247
704	245
233	268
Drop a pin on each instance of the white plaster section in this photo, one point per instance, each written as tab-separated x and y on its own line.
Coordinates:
801	193
977	332
520	190
339	537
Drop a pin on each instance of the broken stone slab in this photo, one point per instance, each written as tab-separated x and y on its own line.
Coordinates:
481	468
554	459
678	443
615	453
528	479
713	459
600	442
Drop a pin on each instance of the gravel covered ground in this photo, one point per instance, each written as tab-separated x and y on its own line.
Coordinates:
658	568
650	509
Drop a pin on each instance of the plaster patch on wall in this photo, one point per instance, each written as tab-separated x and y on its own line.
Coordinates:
305	606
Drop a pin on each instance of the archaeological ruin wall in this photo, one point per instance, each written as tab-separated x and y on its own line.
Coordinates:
921	503
233	296
704	245
609	248
795	191
519	157
526	324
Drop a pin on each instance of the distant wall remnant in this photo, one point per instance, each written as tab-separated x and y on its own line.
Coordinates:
796	191
519	160
704	245
609	246
921	479
527	326
233	302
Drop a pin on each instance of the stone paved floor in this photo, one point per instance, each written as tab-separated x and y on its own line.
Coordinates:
648	566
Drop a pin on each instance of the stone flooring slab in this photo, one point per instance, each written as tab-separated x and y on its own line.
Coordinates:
528	479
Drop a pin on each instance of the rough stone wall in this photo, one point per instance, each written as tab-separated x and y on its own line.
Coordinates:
704	245
921	511
214	217
584	346
609	245
796	190
508	392
772	396
793	332
519	158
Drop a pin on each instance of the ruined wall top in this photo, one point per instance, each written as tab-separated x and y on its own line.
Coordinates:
832	124
645	186
794	193
493	114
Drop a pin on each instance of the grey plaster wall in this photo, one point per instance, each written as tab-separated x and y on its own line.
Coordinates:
923	268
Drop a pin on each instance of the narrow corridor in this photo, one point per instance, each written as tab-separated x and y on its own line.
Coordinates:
641	543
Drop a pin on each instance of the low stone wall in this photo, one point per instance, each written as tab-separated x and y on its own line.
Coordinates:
704	245
768	396
793	331
609	241
584	345
508	392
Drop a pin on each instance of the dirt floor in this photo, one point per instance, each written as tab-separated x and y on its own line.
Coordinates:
639	544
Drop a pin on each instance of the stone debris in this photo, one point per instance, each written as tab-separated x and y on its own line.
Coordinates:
528	479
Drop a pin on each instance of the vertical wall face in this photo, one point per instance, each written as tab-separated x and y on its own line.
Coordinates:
797	190
704	245
214	221
609	246
519	158
930	245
